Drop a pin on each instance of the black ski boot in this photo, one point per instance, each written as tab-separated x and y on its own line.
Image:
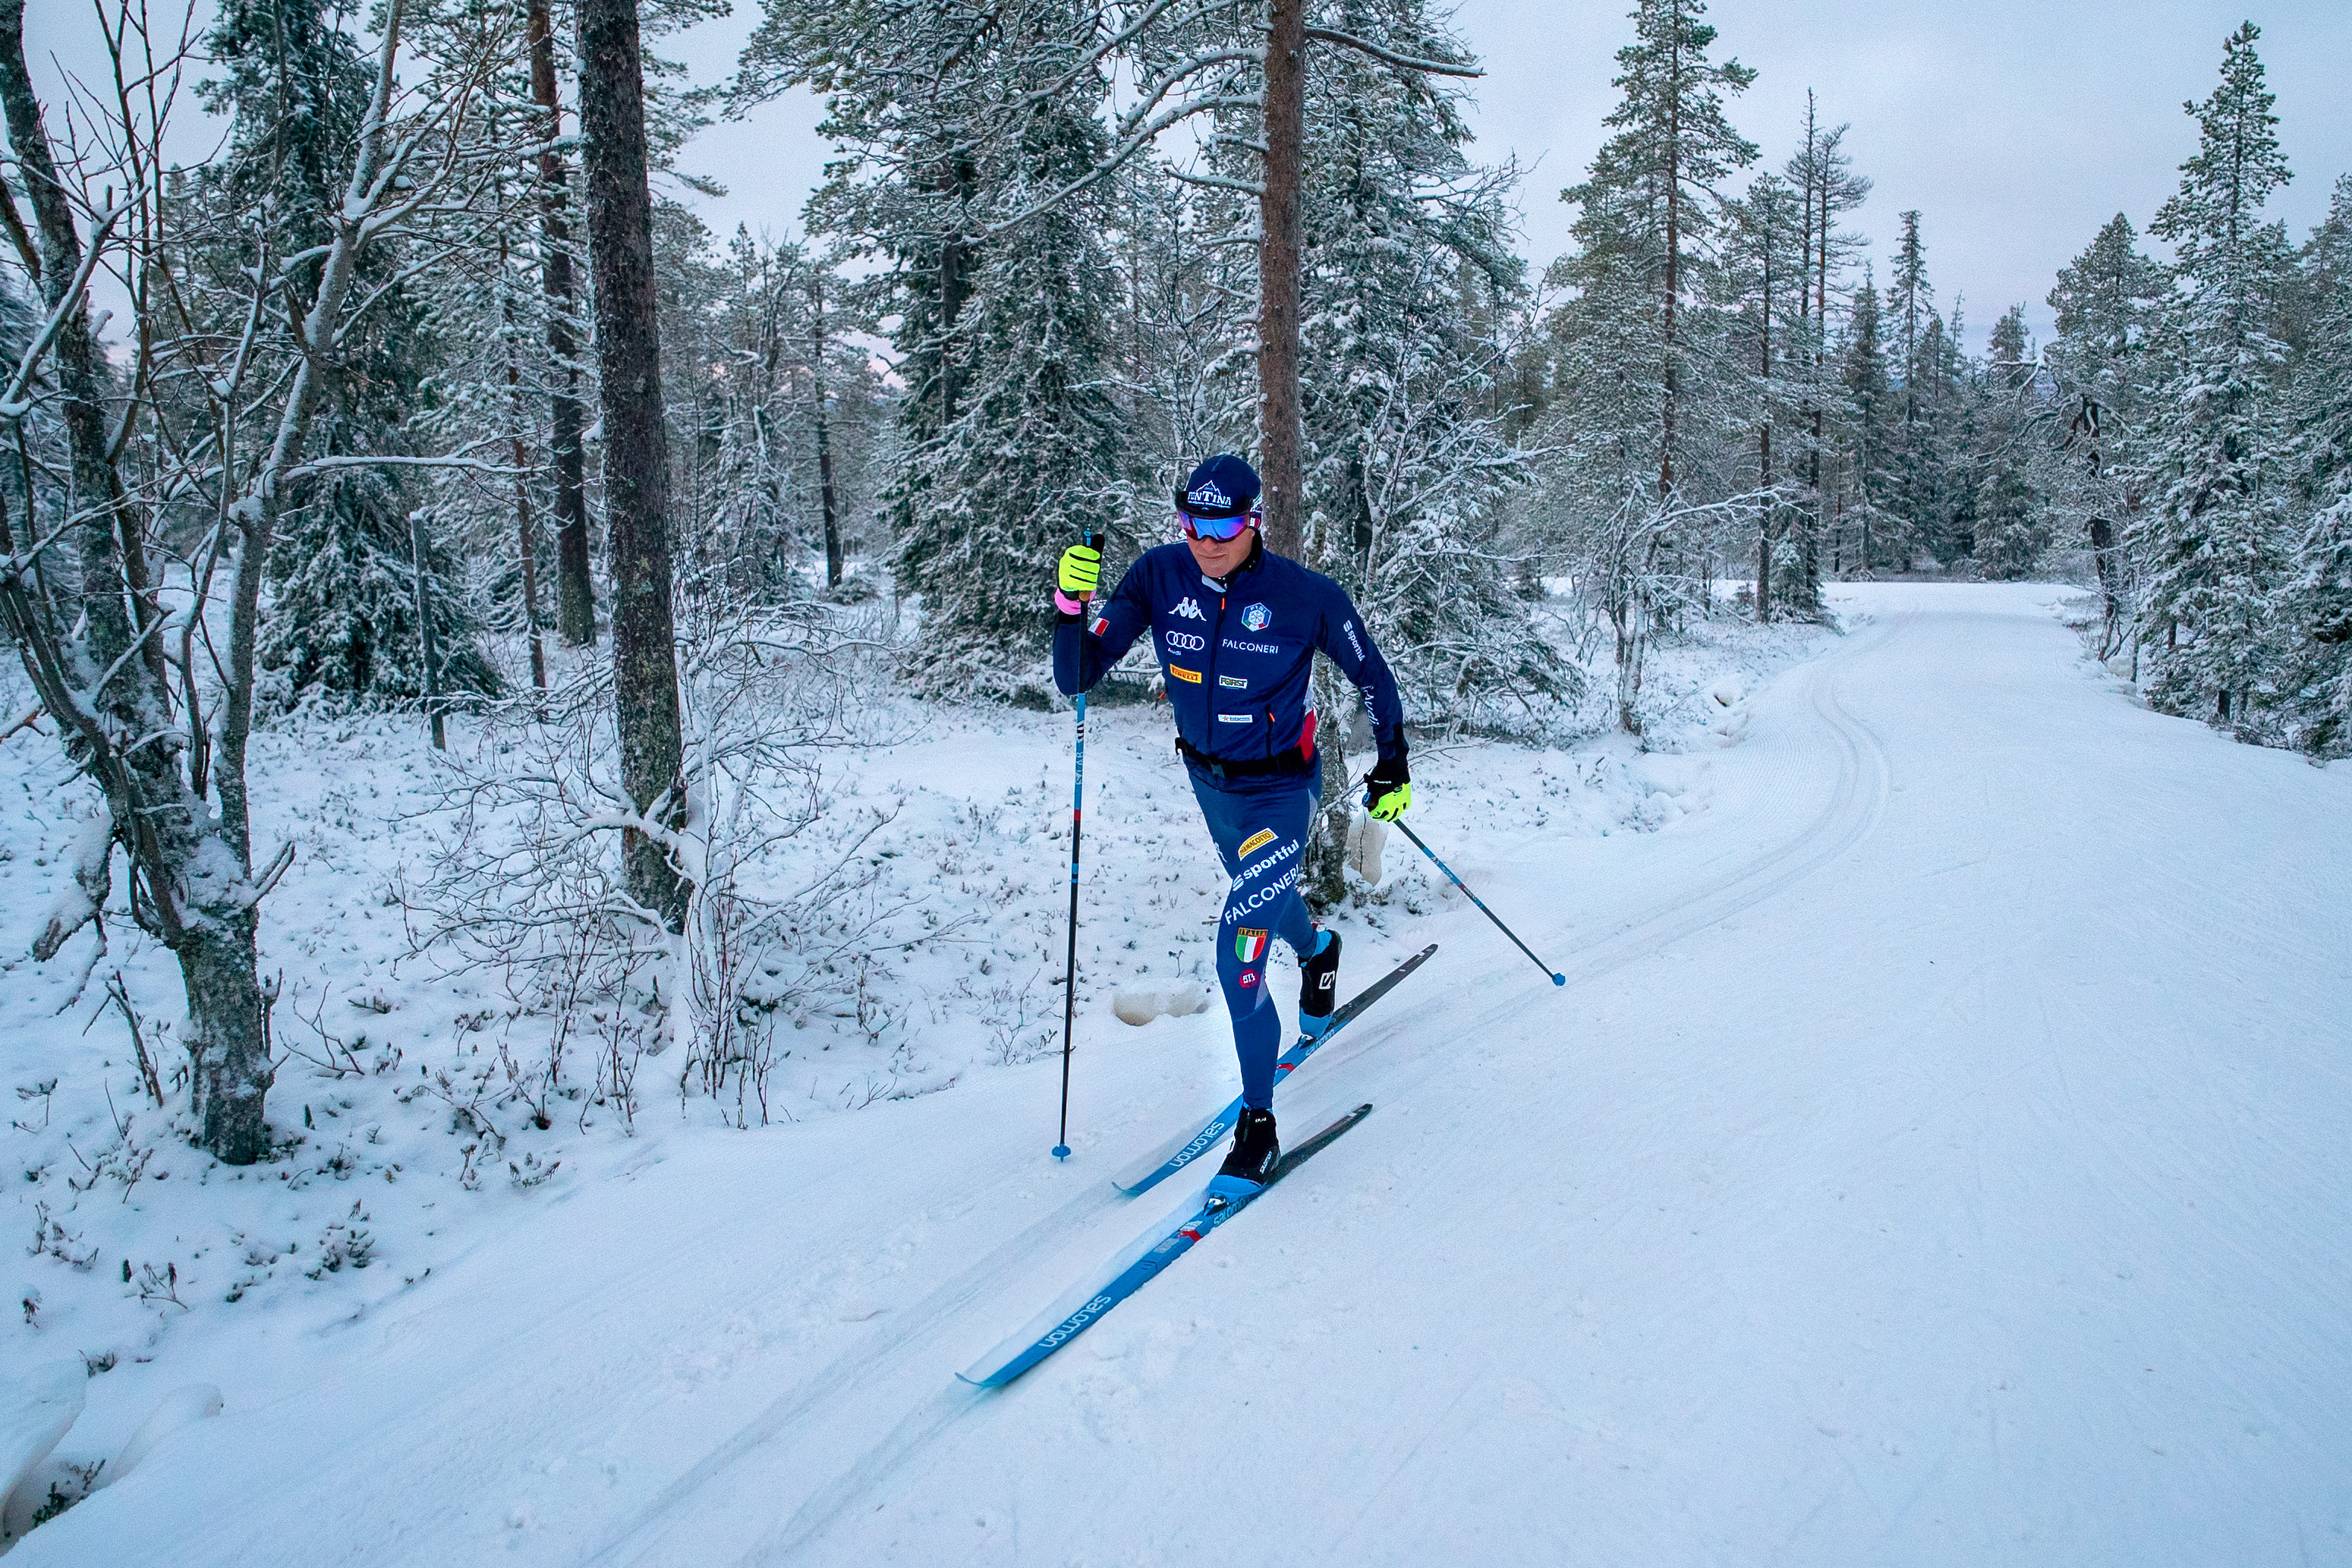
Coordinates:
1319	987
1256	1148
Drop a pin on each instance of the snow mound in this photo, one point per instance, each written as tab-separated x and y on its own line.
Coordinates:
37	1409
1140	1007
180	1407
1728	722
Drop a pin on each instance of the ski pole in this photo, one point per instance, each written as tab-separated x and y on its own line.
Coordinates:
1070	973
1556	978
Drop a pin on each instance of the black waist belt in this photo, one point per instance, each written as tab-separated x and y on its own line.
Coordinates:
1289	762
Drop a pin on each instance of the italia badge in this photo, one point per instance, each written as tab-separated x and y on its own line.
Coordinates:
1257	617
1249	946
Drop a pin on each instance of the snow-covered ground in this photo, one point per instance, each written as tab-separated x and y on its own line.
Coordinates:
1936	1155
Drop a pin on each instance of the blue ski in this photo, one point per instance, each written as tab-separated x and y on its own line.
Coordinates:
1154	1169
1226	1197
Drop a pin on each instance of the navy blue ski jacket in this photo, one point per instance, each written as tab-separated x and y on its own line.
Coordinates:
1237	654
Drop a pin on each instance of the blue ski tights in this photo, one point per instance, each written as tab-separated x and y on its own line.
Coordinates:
1260	826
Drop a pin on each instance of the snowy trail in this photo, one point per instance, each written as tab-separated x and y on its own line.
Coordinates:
1721	877
1937	1156
1712	880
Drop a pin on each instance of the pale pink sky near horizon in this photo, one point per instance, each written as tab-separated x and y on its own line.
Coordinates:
2016	127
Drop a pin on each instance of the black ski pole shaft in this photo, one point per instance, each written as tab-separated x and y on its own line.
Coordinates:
1556	978
1070	973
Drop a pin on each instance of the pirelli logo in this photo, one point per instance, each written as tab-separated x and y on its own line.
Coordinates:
1180	673
1257	841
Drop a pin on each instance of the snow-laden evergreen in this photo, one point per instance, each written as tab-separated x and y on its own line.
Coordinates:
2214	539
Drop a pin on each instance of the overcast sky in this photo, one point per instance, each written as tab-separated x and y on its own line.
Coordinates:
2016	127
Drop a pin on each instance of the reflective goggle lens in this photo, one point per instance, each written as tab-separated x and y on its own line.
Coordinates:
1213	527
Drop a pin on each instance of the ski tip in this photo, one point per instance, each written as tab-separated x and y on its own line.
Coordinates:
1559	980
1061	1151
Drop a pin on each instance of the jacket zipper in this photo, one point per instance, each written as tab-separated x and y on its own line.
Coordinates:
1209	690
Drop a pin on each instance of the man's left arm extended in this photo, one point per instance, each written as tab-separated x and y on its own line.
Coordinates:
1349	643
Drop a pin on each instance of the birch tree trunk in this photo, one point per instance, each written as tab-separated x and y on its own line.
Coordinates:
114	702
192	880
637	446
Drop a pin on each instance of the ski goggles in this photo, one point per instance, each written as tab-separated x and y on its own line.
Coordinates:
1213	527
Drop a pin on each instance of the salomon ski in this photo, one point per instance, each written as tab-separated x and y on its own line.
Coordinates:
1226	1197
1156	1168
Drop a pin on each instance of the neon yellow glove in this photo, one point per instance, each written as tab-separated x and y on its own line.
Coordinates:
1081	571
1387	799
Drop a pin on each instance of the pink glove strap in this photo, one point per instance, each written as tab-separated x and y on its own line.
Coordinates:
1068	605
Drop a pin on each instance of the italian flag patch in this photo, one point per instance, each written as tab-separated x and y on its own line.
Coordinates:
1249	946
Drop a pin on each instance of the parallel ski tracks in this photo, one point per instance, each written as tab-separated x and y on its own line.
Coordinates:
1856	798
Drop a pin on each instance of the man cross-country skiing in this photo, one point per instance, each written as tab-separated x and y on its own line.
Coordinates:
1236	628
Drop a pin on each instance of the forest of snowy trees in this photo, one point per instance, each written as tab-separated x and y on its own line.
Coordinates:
413	394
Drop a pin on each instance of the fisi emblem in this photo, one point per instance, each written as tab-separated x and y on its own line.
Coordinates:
1257	617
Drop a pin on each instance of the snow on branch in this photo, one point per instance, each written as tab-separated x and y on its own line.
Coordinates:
1119	156
1401	62
14	402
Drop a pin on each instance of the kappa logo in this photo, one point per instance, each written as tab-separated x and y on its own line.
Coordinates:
1253	843
1180	673
1257	617
1190	609
1184	642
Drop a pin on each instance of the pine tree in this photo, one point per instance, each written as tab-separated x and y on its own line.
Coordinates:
2011	526
1769	282
1823	173
2211	545
1032	452
1649	202
1640	333
2107	304
1014	443
1872	413
2316	612
1921	498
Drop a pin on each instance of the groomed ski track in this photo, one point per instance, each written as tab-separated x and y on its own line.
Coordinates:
1725	879
1937	1155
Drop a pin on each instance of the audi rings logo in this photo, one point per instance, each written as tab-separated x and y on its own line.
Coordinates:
1184	642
